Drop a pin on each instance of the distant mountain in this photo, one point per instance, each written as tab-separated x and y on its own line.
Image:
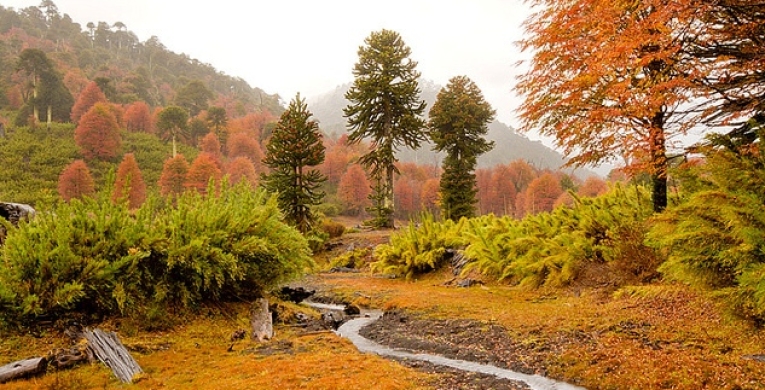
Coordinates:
509	145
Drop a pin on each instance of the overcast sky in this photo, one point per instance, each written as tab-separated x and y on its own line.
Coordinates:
310	46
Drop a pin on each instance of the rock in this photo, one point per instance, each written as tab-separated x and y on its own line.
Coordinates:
296	295
352	310
13	213
262	322
468	282
335	270
332	320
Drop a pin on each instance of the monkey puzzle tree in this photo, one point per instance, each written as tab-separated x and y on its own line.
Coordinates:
385	107
172	123
458	122
293	152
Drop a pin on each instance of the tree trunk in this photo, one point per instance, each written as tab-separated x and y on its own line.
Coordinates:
389	200
261	320
22	368
658	163
50	116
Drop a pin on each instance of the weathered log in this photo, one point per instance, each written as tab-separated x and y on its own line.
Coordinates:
262	322
22	369
108	348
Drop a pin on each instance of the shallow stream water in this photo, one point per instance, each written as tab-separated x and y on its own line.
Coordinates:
350	330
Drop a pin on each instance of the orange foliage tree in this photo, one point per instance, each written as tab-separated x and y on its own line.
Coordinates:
542	193
202	170
76	181
242	169
138	117
242	144
611	79
592	187
353	190
129	183
211	146
430	198
89	96
406	202
98	134
502	192
173	178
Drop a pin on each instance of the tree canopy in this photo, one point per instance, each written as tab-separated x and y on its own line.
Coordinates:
385	107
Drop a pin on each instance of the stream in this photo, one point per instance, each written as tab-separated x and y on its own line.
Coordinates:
350	330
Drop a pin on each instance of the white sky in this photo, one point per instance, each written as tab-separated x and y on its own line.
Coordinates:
310	46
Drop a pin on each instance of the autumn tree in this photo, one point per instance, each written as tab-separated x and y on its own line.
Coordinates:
98	134
502	191
430	198
129	184
542	193
173	178
385	107
87	98
76	181
172	123
353	189
610	80
293	152
241	144
202	170
458	124
138	117
242	169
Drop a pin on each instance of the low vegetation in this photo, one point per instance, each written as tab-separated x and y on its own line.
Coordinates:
95	257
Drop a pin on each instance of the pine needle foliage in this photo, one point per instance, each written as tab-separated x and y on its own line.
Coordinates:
419	248
714	240
92	257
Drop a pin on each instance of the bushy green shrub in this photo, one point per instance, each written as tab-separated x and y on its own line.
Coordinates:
99	258
549	248
716	239
418	248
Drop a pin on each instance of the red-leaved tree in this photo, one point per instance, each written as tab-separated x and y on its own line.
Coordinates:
129	183
76	181
202	170
173	178
89	96
98	134
242	144
354	190
138	117
542	193
242	169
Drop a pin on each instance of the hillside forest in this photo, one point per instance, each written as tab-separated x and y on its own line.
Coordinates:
163	185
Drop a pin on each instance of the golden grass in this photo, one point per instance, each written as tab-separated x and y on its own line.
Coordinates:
195	356
652	337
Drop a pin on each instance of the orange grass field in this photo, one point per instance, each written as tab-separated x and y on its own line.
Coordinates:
652	337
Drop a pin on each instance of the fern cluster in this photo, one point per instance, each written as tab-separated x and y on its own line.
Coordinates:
715	239
95	257
419	248
542	249
549	248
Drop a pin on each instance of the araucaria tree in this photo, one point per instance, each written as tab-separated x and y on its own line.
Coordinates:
172	123
385	107
458	123
609	79
293	152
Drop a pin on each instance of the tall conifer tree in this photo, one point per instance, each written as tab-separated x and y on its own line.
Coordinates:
293	152
458	124
386	108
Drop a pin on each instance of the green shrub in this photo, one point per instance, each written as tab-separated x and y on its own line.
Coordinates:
95	257
356	258
332	228
715	239
418	249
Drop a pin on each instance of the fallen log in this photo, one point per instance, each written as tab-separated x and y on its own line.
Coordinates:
22	369
108	348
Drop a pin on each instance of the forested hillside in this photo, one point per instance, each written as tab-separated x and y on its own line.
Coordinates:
127	69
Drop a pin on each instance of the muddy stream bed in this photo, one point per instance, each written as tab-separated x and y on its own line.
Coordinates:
481	371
